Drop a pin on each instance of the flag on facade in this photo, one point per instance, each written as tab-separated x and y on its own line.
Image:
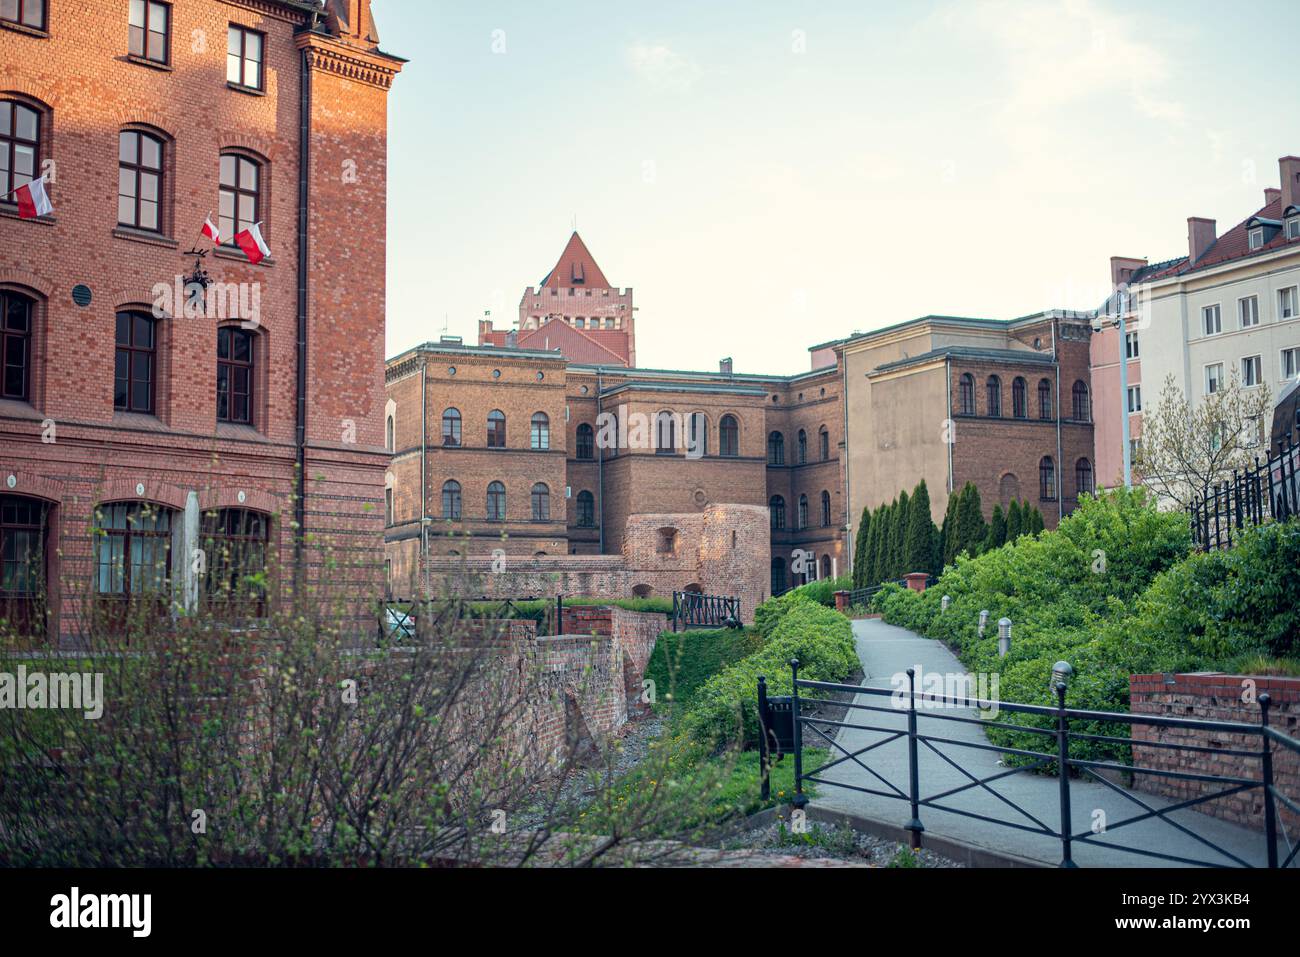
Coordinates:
252	243
32	200
211	231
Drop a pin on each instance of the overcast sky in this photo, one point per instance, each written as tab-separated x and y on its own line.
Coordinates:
770	175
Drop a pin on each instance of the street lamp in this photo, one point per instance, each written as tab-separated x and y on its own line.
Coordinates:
1062	672
944	603
984	620
1004	637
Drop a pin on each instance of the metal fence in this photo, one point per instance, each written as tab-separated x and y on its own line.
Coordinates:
1268	490
783	722
861	597
399	618
694	610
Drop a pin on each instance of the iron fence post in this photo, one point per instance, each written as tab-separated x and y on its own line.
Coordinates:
1063	773
765	785
913	770
1266	762
800	799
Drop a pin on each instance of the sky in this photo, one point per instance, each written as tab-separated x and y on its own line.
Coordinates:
772	175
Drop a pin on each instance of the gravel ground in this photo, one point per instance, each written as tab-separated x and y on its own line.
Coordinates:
830	842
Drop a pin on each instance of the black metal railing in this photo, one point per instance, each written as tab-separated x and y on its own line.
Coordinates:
399	618
861	597
1267	490
694	610
783	720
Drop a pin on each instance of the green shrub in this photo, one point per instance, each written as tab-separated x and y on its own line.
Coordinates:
723	710
682	661
769	614
823	591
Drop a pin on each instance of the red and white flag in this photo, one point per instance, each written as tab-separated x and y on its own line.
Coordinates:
211	231
33	200
252	243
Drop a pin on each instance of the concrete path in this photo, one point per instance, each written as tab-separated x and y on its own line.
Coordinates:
886	651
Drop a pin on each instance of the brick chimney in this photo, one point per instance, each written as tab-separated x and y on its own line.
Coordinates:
725	366
1200	237
1122	269
1289	167
1271	195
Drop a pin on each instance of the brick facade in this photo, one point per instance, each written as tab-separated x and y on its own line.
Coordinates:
63	443
1217	697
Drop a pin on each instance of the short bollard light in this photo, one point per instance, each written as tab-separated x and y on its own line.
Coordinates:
1004	637
944	603
984	620
1062	672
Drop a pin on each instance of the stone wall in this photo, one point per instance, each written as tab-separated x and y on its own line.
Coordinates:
1217	697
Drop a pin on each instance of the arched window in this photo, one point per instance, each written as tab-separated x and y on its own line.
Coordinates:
776	449
236	360
541	431
826	566
496	432
1082	408
1019	398
803	512
496	502
586	446
824	443
132	560
239	198
1047	479
1008	489
778	576
134	364
776	508
803	448
451	500
1044	399
451	427
586	510
22	564
966	394
729	437
697	436
1083	476
20	146
16	345
993	386
826	509
541	502
665	433
235	543
390	437
139	180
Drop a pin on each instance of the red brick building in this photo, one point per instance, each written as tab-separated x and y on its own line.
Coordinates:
138	424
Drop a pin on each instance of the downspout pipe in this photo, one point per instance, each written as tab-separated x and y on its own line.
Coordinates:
600	463
300	412
1060	465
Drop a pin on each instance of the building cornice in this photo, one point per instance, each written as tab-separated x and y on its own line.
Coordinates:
330	55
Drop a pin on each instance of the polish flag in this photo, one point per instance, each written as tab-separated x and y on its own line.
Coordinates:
211	231
32	200
252	243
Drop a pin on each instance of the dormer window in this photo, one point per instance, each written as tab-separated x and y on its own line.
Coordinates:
1293	227
578	277
1256	237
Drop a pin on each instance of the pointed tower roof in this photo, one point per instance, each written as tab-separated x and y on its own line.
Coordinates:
577	267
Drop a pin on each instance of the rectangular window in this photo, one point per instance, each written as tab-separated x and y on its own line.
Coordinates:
1131	345
1212	320
244	57
1250	371
1213	378
1256	238
150	30
1135	398
1287	303
29	13
1248	310
1293	228
1290	363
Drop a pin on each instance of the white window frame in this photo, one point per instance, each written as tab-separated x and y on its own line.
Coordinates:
1218	382
1293	228
1134	393
1294	352
1242	303
1136	351
1295	302
1256	364
1255	238
1217	310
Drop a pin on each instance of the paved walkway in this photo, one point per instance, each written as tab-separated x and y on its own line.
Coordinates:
886	651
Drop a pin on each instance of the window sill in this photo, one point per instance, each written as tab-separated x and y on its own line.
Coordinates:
238	255
151	64
144	236
23	28
9	210
240	88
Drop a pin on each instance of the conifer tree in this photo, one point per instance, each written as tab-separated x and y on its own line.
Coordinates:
1015	521
919	551
860	547
1038	525
997	529
948	533
898	537
971	528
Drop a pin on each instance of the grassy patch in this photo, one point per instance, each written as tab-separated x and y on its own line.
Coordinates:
684	660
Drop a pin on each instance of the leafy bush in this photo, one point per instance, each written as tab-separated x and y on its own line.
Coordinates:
770	613
724	708
823	591
683	661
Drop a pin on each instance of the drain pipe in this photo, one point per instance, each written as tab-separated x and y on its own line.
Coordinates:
600	462
1060	466
300	414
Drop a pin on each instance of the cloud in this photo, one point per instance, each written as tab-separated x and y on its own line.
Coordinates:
661	68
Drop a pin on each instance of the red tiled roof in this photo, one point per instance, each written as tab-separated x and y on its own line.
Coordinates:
577	267
1233	244
577	345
